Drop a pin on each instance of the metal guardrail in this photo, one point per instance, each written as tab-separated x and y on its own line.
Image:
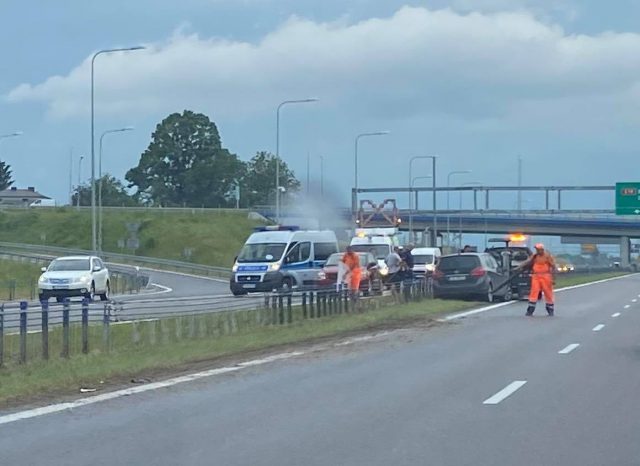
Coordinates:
149	262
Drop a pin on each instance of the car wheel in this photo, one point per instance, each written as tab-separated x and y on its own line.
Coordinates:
238	292
91	295
508	295
105	296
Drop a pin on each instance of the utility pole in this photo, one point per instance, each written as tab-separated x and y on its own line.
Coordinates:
519	183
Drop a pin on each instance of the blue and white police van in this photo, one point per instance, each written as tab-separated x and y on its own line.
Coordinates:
281	257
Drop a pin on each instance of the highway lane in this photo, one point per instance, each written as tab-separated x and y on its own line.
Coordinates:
415	397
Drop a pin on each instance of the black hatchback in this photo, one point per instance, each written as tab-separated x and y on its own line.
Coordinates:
471	275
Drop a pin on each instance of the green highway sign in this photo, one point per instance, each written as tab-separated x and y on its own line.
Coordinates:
628	199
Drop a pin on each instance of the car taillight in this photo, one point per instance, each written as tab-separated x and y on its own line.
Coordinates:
478	272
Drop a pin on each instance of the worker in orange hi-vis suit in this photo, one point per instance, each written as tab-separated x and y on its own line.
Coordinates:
543	269
354	273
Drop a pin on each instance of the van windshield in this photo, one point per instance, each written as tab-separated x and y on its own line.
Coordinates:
423	259
261	252
379	251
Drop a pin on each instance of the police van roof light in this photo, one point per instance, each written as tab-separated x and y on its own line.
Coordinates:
278	228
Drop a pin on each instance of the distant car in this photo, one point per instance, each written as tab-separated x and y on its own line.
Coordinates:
73	276
471	275
424	261
564	267
368	264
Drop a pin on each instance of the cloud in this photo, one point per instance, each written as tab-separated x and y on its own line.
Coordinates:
475	65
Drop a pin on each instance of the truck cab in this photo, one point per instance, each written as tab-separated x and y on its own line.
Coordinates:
377	241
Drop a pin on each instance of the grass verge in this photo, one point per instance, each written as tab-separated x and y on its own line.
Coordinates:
578	279
18	280
168	345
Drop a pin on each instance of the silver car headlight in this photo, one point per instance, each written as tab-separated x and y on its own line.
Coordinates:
234	269
274	267
43	279
322	275
85	279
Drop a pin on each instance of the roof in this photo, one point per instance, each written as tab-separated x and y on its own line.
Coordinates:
29	193
68	258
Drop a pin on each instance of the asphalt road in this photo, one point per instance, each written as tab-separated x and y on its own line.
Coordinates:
431	397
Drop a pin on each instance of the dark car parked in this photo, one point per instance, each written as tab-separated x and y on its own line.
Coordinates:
471	275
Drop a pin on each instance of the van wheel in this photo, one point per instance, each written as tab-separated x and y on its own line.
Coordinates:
287	284
508	295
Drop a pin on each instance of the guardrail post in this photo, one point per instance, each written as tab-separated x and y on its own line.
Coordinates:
281	310
2	335
106	330
304	305
312	312
65	328
324	303
85	326
23	331
289	309
45	330
274	309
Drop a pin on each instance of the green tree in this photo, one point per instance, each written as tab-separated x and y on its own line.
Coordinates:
259	182
6	177
114	194
185	164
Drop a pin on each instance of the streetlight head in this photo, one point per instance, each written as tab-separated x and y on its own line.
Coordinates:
127	128
17	133
311	99
382	133
137	47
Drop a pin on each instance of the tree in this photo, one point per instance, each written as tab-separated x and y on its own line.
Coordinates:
259	182
185	164
6	177
114	193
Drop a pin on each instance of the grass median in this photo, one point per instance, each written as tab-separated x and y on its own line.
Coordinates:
563	281
160	347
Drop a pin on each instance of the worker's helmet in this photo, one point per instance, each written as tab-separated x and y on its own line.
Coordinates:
540	247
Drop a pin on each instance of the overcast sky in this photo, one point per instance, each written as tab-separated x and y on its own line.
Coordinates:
477	82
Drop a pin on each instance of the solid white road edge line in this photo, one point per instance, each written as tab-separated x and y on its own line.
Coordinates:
491	307
598	327
505	392
569	348
56	408
617	314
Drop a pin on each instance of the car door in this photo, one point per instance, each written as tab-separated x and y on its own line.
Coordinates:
297	262
497	275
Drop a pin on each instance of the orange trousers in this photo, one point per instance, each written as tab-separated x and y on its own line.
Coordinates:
354	278
541	282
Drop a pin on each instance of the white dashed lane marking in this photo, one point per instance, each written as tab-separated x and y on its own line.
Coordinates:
617	314
505	392
598	327
569	348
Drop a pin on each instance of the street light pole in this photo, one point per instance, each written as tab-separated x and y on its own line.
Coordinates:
282	104
354	206
79	181
413	183
321	176
111	131
456	172
433	176
94	239
470	183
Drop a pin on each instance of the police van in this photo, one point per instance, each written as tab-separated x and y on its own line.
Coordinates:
281	257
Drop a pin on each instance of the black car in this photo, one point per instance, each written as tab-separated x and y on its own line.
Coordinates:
471	275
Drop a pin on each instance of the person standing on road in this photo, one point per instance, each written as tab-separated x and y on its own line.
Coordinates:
393	261
407	258
543	269
354	274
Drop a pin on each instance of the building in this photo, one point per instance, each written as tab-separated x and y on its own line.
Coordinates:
14	197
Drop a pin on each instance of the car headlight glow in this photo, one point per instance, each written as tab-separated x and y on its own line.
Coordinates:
384	271
85	279
234	268
430	267
322	275
274	267
43	279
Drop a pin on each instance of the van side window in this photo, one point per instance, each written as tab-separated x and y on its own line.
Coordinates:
299	253
322	251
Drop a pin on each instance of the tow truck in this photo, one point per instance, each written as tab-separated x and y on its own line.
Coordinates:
519	252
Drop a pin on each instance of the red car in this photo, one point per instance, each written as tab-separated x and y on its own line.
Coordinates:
367	266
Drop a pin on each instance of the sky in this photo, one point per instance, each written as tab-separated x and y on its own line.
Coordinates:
477	82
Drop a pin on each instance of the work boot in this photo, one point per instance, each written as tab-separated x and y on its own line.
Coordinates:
550	310
530	310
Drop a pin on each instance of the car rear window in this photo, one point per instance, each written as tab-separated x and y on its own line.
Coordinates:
460	263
